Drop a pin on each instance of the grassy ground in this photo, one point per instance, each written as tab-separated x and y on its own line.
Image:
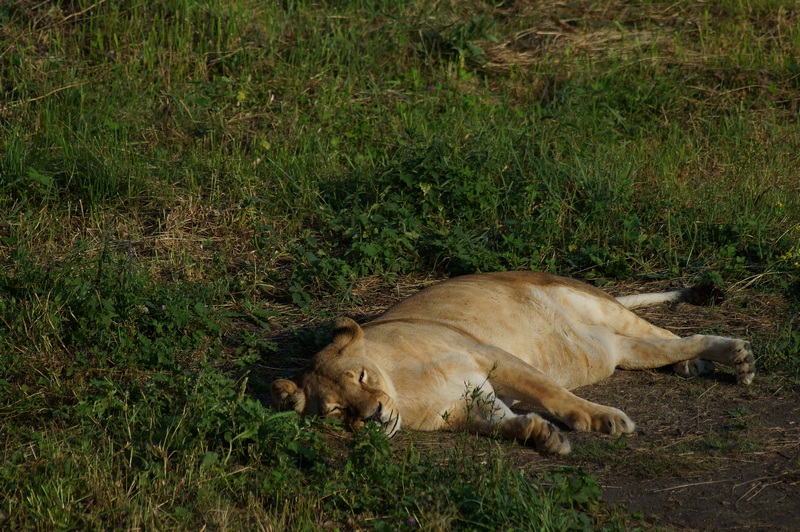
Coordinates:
183	182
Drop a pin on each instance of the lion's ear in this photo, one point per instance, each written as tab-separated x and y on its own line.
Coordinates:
347	333
286	395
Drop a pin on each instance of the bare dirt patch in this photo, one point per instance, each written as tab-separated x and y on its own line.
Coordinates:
707	454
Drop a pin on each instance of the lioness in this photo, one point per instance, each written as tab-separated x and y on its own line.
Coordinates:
455	355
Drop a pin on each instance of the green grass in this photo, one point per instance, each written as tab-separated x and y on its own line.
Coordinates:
174	174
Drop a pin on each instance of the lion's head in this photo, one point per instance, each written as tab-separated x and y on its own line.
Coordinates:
342	383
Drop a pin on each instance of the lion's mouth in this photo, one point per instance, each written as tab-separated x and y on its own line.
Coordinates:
387	419
377	415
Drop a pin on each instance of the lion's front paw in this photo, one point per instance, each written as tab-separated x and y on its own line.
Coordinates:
543	435
552	440
744	362
602	419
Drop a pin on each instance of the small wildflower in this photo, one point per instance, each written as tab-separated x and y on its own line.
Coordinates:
779	205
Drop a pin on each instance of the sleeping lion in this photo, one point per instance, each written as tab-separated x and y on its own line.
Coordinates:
457	354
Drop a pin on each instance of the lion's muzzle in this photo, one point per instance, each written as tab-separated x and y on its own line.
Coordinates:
388	419
376	416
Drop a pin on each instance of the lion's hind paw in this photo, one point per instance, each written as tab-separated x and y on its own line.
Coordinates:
694	367
744	362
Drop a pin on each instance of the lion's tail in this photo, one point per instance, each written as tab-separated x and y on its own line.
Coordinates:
695	295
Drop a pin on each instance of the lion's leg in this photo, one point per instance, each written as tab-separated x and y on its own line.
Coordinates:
623	321
693	367
641	328
482	412
518	380
646	353
529	429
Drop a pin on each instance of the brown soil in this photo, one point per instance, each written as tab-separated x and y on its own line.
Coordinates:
707	454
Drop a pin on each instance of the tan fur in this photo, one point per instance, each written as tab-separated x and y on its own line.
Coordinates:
456	355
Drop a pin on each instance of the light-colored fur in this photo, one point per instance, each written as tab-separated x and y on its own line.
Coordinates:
455	356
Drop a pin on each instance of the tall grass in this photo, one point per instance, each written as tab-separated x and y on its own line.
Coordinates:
176	175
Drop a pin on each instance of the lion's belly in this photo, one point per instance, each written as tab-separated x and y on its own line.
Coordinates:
552	328
570	355
568	351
